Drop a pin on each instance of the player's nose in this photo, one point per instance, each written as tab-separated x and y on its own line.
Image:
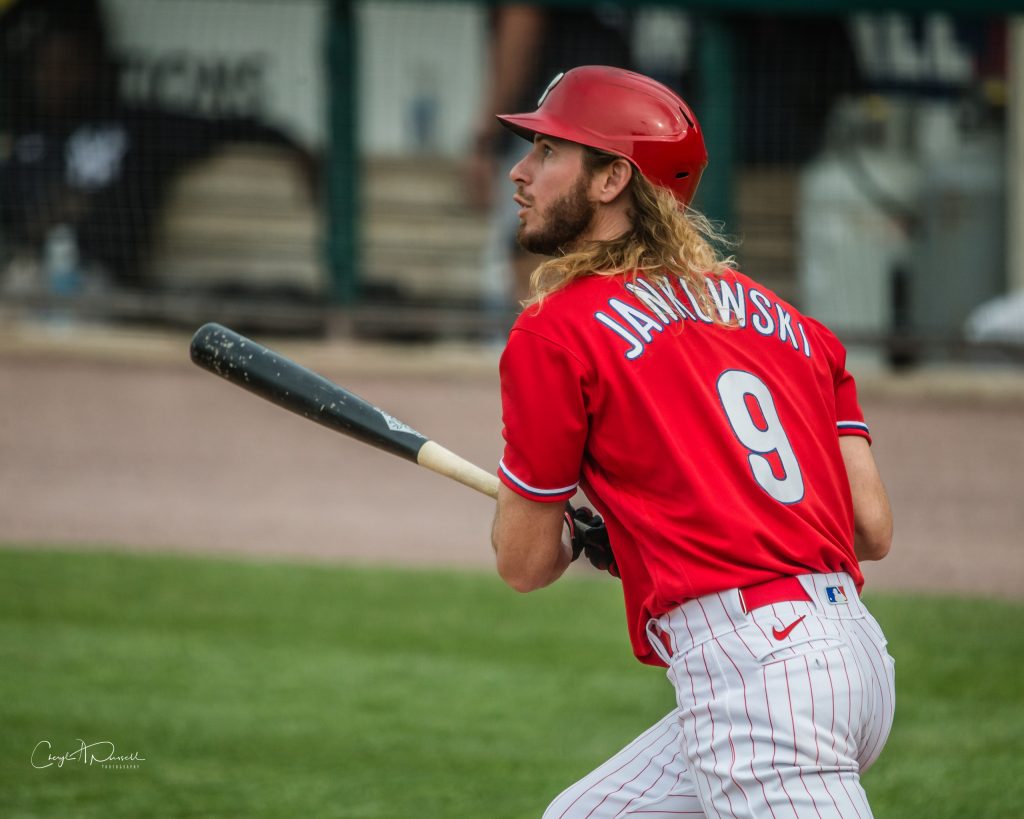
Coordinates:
520	172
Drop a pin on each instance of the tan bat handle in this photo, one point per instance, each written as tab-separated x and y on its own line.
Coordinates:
445	462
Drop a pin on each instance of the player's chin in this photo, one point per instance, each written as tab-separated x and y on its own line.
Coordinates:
534	240
524	236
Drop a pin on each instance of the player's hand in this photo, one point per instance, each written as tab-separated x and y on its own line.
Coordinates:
589	536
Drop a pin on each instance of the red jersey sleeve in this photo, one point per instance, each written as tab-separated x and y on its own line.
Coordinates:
544	416
849	416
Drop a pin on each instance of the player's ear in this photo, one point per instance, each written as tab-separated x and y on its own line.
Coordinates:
612	180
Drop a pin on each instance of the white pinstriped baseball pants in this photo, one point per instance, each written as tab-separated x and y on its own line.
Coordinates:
765	727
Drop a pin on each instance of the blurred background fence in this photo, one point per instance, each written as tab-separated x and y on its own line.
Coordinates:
326	166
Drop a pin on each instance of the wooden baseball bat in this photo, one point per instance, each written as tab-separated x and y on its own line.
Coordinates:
282	381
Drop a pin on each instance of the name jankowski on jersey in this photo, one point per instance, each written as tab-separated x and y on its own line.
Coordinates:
733	303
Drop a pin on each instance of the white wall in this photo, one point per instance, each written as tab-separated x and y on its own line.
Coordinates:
431	52
285	37
422	65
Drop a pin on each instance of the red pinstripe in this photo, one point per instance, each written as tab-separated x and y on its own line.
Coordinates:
675	784
732	746
736	629
728	736
771	725
744	641
608	776
874	689
849	723
698	773
760	628
636	776
832	699
817	745
686	622
796	748
750	722
879	670
696	741
865	693
650	787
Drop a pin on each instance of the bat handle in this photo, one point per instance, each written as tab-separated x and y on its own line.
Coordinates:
445	462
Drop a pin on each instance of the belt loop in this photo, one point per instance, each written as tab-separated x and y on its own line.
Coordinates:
657	641
743	601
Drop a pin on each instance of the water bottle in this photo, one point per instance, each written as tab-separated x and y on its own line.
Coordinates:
61	265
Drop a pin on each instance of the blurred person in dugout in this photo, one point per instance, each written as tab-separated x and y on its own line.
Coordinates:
78	164
529	45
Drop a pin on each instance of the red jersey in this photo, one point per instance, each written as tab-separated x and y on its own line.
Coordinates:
711	449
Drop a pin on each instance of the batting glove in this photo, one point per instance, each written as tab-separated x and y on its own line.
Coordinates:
589	536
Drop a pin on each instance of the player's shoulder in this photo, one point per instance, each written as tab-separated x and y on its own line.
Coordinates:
820	336
562	322
749	284
555	312
734	276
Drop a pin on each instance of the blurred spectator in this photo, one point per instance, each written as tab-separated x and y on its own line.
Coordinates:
529	46
76	161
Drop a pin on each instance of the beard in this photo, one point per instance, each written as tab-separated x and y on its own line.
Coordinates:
564	221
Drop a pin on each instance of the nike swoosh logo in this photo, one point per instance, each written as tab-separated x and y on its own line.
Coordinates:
784	633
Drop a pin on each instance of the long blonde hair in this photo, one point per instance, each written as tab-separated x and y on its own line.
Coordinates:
666	240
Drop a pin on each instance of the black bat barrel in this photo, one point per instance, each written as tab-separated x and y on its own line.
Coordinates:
281	381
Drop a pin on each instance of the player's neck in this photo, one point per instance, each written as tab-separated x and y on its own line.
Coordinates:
609	222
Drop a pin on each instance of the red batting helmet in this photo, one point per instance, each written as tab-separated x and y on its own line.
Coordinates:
626	114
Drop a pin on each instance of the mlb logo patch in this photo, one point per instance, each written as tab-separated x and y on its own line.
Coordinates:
836	595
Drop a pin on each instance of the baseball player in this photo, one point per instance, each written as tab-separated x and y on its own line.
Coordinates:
717	432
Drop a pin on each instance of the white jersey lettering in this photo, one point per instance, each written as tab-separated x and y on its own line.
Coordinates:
803	335
696	305
666	287
786	326
732	302
653	301
635	347
763	323
637	319
728	303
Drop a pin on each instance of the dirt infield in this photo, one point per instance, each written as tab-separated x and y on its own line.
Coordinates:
115	439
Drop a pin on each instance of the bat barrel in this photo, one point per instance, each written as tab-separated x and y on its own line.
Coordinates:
253	367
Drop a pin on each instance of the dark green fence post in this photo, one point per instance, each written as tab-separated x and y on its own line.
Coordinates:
715	109
343	168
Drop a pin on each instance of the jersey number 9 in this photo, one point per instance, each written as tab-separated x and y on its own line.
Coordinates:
761	436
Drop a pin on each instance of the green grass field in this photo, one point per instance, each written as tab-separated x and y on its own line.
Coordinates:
286	690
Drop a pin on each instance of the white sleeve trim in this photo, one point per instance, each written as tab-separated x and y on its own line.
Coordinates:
852	425
533	489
